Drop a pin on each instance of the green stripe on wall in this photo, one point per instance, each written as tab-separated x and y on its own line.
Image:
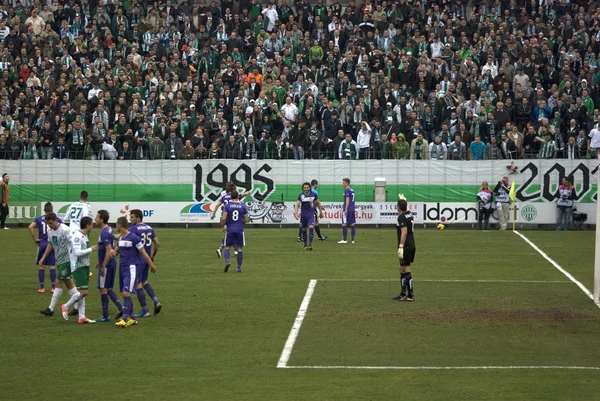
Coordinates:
364	193
184	193
102	192
283	192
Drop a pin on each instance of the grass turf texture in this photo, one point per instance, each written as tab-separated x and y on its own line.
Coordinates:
221	335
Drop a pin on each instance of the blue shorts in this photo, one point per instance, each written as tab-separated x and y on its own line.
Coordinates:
40	252
108	281
141	274
306	221
350	219
235	239
127	275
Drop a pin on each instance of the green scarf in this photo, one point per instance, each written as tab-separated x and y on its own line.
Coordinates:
348	149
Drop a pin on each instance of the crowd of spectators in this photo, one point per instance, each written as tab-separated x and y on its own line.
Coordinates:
401	79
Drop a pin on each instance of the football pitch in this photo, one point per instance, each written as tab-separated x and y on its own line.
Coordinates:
493	320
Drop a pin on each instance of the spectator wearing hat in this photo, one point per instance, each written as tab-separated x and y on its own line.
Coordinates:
333	125
400	147
251	149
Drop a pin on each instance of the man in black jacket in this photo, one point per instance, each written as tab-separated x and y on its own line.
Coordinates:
508	148
298	137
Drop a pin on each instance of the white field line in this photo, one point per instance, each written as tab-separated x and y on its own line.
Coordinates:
444	367
337	251
289	344
559	268
451	281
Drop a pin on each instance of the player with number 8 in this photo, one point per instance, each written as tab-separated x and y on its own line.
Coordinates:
234	216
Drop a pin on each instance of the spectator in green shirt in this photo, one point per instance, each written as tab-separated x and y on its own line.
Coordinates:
315	53
400	148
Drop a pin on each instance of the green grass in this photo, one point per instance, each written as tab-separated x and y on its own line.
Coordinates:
221	335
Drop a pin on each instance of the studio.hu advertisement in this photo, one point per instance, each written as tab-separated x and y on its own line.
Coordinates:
258	212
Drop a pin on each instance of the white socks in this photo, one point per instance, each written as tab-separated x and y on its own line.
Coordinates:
74	298
81	308
55	298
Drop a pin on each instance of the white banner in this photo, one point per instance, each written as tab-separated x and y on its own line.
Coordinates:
259	212
154	212
527	213
366	212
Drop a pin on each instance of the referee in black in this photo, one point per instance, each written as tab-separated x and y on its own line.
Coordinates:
406	249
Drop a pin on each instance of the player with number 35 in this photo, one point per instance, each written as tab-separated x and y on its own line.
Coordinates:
148	237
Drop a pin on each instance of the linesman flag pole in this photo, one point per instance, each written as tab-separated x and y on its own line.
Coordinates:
513	198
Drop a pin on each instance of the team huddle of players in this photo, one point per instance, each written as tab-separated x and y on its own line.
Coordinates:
66	251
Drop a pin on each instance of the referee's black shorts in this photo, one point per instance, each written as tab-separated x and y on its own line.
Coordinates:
408	257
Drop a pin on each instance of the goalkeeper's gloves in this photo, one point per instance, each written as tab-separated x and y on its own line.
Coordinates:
401	251
401	197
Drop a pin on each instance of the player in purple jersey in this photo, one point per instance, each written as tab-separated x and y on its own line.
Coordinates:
314	186
306	203
349	213
131	250
234	217
107	266
148	238
224	199
41	240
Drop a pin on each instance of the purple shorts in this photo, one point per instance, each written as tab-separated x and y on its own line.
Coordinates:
235	239
141	274
108	281
307	220
350	219
40	252
127	275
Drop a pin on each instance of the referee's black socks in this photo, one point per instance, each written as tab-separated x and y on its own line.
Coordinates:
409	284
318	231
403	283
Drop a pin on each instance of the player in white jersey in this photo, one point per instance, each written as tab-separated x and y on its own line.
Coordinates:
77	211
80	268
59	241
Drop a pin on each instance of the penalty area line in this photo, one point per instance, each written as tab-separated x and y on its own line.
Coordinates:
289	344
445	367
559	268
